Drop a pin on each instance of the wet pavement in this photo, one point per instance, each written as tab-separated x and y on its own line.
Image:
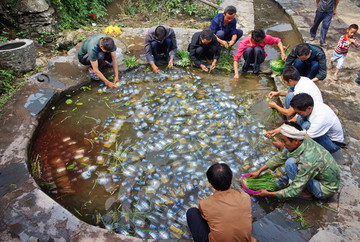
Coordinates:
29	214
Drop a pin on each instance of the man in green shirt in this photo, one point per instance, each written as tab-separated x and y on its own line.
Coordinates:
99	51
311	169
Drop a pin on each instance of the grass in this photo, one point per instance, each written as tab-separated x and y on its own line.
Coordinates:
226	60
300	218
184	58
131	62
36	167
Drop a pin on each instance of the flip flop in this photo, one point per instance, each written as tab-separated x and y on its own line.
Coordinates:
93	75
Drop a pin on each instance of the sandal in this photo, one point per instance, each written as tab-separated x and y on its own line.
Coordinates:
93	75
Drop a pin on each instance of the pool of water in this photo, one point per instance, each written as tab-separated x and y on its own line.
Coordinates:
133	159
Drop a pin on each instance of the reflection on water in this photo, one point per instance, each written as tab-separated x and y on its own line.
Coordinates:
133	159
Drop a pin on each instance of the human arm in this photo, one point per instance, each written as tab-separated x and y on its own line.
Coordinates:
236	70
174	48
288	112
257	173
279	93
290	58
213	64
115	66
148	51
272	133
95	67
321	58
282	52
233	40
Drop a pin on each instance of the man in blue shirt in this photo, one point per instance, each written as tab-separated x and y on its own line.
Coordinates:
223	25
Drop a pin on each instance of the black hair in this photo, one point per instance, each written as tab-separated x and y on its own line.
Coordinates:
354	26
206	34
302	101
291	73
160	32
230	10
108	43
219	175
294	124
257	35
302	49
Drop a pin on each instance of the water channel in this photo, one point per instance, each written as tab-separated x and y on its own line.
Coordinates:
133	159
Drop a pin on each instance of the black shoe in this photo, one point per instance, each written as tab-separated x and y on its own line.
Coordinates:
245	68
256	69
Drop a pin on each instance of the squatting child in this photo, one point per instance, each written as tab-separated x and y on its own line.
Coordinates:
343	47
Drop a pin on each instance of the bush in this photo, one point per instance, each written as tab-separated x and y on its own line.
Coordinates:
73	13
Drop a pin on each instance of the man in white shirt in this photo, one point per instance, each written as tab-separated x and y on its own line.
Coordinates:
291	77
325	127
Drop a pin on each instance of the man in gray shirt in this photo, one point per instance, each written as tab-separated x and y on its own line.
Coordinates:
160	43
326	9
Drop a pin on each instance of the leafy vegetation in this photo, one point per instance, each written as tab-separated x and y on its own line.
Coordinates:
8	86
300	218
265	181
73	13
226	60
184	58
170	8
131	62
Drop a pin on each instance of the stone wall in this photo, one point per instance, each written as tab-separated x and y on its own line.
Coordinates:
30	16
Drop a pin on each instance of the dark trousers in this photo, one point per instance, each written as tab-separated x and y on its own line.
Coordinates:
205	52
101	58
227	36
358	79
197	225
161	49
253	55
307	68
325	18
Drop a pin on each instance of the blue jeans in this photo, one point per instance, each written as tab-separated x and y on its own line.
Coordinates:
327	143
303	122
227	36
289	96
358	79
198	226
325	18
307	68
313	186
340	58
163	47
324	140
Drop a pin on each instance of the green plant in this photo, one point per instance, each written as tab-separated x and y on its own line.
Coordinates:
226	60
265	181
300	218
36	167
73	13
131	62
3	39
46	37
184	58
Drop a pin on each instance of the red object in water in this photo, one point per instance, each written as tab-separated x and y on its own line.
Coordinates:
93	16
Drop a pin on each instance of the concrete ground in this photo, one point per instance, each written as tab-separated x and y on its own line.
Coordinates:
27	214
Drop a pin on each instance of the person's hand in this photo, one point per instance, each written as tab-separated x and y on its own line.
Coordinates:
278	144
231	43
272	133
283	56
110	84
213	66
272	104
255	174
236	77
204	68
225	44
262	193
155	68
273	94
171	63
116	79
